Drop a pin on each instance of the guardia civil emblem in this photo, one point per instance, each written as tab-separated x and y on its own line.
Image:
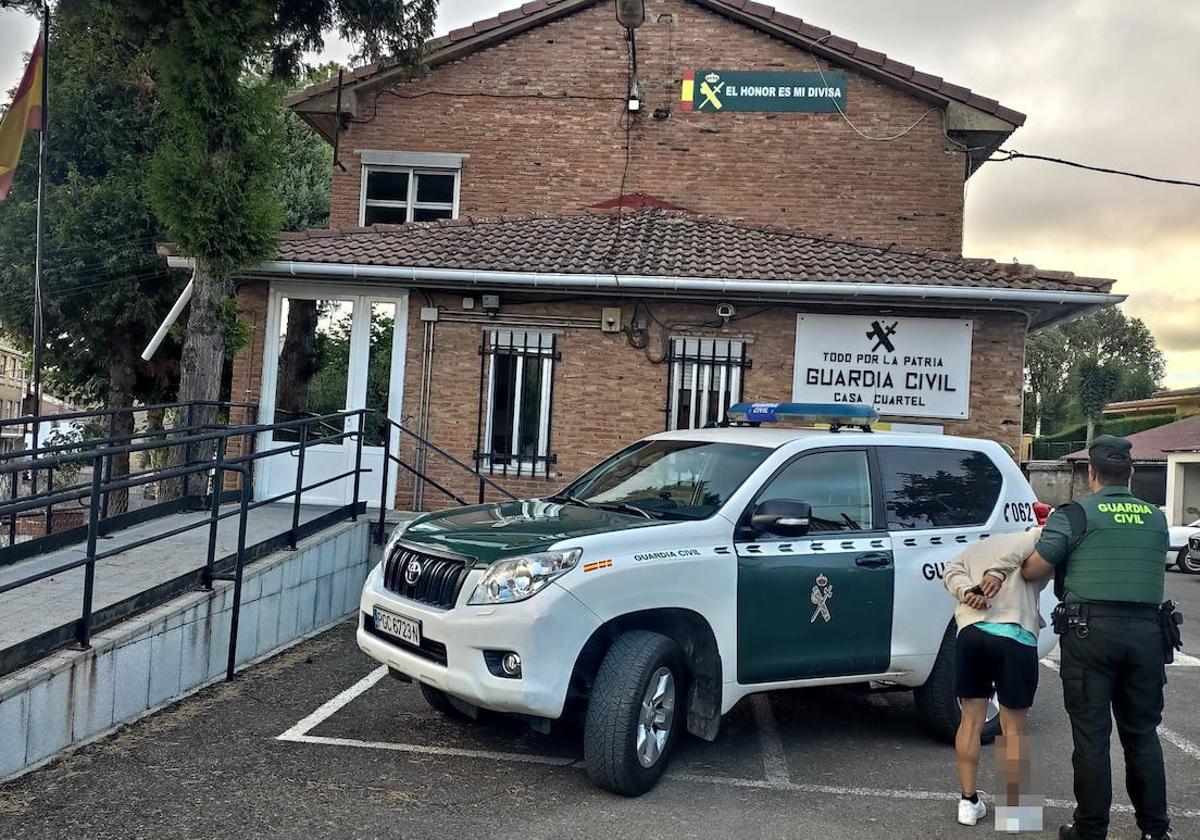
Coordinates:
821	593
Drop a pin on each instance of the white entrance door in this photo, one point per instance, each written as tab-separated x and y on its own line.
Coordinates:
331	348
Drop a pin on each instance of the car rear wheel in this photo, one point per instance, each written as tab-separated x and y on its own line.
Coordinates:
1186	563
635	712
937	701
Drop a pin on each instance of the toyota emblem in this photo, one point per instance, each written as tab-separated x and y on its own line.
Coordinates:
412	572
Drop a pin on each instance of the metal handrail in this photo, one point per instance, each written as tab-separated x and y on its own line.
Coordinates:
100	453
100	486
129	409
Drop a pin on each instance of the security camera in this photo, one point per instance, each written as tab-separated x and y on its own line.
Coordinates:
725	311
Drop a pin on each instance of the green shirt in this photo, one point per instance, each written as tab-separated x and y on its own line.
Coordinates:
1008	630
1120	554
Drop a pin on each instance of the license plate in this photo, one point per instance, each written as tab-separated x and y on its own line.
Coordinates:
404	629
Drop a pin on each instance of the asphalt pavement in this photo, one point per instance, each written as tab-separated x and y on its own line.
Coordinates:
318	743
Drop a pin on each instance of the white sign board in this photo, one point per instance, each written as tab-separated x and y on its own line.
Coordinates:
904	367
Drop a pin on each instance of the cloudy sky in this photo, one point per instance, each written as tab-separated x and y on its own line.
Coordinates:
1106	82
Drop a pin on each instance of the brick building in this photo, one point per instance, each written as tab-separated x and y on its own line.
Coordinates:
530	274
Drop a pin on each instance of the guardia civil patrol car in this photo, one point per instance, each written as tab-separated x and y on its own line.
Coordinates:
695	568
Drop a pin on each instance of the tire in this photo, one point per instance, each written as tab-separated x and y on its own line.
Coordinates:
937	702
442	702
633	671
1187	564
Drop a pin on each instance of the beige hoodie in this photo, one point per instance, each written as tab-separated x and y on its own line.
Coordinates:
1002	555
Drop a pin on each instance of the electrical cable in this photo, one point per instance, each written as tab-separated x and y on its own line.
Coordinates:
1014	155
849	122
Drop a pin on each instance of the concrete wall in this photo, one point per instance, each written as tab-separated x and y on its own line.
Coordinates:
162	655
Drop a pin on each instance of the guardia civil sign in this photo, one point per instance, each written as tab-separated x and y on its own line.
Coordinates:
715	91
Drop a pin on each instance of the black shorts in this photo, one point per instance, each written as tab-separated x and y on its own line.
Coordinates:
986	663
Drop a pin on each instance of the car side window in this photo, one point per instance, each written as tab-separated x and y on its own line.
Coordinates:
836	484
927	487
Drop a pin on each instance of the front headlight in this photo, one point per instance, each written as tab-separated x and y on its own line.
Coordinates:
518	578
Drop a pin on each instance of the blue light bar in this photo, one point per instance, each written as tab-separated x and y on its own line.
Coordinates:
835	414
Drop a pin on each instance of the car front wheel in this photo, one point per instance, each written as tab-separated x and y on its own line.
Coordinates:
937	700
1187	563
635	712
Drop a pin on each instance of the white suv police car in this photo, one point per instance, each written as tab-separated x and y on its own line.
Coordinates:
692	569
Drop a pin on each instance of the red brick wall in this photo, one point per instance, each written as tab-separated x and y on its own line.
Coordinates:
608	394
529	156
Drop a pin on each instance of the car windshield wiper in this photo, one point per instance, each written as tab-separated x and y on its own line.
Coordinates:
628	508
575	500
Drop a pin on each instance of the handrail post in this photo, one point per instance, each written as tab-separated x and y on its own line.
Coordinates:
187	450
50	507
292	537
215	520
383	487
12	497
237	575
112	433
84	634
362	423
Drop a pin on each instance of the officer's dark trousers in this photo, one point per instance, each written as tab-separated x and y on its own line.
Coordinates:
1119	665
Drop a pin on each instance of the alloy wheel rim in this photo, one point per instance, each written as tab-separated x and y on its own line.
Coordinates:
655	717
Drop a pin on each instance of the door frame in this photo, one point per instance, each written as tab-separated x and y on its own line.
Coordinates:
363	294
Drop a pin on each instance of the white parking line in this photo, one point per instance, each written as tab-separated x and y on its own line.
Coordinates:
774	763
1169	734
331	708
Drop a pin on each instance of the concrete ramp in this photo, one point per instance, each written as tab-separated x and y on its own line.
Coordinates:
158	656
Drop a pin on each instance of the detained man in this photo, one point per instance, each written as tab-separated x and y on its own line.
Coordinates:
998	623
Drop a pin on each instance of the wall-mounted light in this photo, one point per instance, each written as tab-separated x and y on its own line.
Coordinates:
631	13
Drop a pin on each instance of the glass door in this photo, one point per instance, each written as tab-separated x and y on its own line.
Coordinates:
327	351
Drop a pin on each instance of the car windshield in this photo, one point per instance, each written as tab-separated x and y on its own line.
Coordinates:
668	479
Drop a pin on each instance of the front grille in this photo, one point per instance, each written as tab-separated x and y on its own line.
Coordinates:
429	649
438	583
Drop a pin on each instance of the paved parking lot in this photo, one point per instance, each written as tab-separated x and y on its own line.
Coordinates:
318	743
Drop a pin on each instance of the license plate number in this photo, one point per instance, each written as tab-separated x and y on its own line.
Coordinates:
404	629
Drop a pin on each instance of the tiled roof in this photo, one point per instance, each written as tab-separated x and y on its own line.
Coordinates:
1154	444
758	15
659	243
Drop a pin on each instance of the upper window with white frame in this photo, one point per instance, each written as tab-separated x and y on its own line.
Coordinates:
520	384
403	187
705	380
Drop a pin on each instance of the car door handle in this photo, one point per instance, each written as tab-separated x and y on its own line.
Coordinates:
873	560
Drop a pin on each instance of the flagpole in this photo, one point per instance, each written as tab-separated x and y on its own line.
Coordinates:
41	235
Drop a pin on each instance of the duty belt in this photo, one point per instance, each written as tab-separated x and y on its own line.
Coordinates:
1119	609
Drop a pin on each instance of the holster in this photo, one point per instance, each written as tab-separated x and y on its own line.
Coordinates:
1171	621
1070	616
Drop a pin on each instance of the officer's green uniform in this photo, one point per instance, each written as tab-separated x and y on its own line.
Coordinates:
1115	566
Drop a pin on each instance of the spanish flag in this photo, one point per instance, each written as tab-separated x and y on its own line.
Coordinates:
22	117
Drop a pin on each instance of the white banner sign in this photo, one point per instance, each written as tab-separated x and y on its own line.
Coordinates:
909	367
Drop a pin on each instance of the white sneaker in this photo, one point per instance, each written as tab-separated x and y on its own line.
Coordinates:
969	813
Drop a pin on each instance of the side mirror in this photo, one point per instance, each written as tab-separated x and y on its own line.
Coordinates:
781	518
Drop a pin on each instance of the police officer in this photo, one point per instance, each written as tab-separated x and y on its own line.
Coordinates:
1112	545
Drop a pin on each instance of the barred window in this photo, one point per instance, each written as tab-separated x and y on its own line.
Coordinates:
705	380
519	371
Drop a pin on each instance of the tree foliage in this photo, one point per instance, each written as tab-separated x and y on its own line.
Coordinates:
1072	371
104	287
215	168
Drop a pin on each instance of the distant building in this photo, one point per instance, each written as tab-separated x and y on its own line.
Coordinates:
12	392
1180	402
